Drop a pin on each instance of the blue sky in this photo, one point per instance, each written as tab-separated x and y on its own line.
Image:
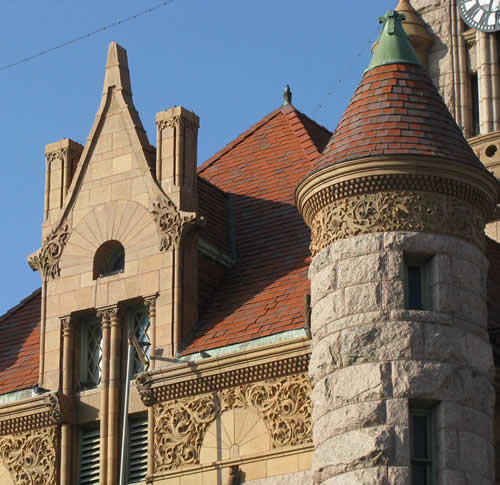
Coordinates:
226	60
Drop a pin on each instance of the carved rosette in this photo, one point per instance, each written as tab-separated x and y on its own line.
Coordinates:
396	211
30	457
180	425
170	223
46	259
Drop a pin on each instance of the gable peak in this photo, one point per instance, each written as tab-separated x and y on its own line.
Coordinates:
117	74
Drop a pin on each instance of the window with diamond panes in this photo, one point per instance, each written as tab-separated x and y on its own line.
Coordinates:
90	353
139	321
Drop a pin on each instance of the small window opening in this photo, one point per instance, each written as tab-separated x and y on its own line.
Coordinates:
475	104
418	280
421	446
491	150
109	259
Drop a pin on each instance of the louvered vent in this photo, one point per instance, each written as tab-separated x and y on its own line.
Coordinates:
137	449
89	457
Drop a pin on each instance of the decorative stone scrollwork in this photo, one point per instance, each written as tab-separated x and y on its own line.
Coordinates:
170	222
46	259
30	457
396	211
180	425
55	411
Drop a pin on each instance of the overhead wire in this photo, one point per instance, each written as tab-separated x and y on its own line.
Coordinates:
86	36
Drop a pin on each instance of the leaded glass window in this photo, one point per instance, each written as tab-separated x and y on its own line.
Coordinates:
90	352
140	328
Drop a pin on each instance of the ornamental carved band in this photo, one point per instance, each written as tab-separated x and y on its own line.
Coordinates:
396	211
170	223
30	457
46	259
180	425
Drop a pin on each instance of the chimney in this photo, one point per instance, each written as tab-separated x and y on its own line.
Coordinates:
61	160
176	158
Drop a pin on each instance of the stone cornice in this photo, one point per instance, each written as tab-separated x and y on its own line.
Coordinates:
193	378
376	174
28	414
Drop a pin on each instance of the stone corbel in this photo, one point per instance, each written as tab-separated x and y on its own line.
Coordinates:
172	223
46	259
143	385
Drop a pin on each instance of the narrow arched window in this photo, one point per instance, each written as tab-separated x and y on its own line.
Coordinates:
109	259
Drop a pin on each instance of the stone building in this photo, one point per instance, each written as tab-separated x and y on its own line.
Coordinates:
303	307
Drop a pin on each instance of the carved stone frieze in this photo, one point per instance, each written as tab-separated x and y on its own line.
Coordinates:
60	155
180	425
170	222
46	259
396	211
30	457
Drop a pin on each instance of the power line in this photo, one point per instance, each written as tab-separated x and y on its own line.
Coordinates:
86	36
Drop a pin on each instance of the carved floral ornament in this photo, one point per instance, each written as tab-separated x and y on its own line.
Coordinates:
396	211
60	154
46	259
30	457
170	222
180	425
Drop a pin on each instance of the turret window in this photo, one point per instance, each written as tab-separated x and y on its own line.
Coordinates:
421	446
418	276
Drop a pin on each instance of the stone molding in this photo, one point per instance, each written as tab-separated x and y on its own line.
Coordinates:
29	414
60	155
30	457
470	38
397	211
171	222
46	259
174	122
180	424
378	174
217	373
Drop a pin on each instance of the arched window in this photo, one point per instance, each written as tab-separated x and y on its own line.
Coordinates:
109	259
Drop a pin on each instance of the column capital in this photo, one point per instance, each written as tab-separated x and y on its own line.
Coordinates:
66	325
108	315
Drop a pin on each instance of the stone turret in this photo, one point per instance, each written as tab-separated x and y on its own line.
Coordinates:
401	364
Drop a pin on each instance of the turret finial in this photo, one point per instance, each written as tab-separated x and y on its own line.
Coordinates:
287	96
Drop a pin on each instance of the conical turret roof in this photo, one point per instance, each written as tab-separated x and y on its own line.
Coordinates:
396	110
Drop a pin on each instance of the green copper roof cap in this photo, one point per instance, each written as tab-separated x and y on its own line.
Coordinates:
393	45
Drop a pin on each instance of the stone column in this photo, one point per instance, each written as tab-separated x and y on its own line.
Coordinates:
372	359
485	84
105	316
114	397
67	391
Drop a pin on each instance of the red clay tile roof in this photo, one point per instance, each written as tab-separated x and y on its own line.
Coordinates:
20	345
213	207
396	110
264	292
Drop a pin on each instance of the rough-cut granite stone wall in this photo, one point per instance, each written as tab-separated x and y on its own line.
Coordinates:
371	357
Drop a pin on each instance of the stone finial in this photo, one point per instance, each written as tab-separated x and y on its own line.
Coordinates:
117	73
287	96
416	29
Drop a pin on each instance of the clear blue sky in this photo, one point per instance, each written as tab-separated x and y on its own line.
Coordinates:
226	60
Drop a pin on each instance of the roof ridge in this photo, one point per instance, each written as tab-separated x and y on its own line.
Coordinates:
22	303
311	154
238	140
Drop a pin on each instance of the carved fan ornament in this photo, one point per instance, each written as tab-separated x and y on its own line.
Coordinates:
170	222
396	211
46	259
180	425
30	457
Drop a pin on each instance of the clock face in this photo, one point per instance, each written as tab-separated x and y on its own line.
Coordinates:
481	14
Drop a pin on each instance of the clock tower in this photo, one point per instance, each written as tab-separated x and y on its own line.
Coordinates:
463	60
